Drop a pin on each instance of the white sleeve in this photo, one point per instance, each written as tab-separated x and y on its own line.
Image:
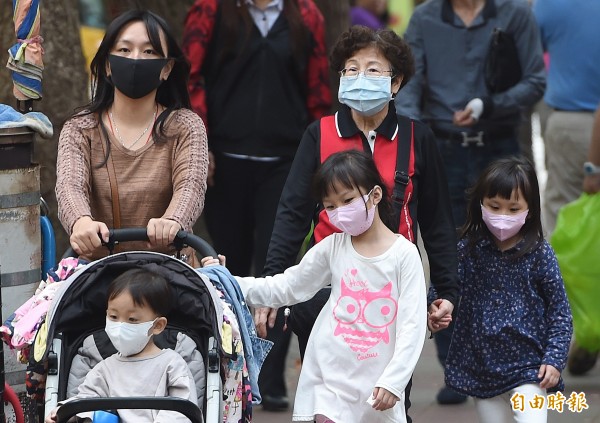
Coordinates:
411	325
296	284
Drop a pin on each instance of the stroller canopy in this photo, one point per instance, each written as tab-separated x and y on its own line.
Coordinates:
80	305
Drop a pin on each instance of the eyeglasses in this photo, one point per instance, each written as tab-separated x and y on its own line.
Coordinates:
372	72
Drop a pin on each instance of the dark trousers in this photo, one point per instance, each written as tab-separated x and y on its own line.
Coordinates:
442	343
302	320
463	166
271	380
239	211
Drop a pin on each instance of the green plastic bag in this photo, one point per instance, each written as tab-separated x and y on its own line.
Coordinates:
576	241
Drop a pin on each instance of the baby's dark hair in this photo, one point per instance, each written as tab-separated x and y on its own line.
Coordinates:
145	287
500	178
353	168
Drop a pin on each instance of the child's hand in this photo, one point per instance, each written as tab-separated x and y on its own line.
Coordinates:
383	399
436	325
549	375
211	261
439	315
51	418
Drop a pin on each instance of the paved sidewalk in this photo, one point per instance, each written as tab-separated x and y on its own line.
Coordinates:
427	380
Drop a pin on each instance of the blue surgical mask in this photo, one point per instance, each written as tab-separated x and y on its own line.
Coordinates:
367	95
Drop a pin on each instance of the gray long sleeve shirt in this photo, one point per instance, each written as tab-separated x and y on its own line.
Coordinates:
165	374
450	57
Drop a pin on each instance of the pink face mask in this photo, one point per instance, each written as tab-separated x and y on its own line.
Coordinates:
503	226
352	218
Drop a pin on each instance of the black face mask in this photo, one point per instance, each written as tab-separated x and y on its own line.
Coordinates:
135	77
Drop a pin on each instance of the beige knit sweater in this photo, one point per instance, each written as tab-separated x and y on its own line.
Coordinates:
165	180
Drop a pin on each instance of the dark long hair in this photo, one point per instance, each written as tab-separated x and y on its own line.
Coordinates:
354	169
172	93
236	20
500	178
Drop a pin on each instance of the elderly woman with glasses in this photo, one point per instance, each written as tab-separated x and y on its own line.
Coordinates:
373	67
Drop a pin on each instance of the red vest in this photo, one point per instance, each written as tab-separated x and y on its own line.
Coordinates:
384	154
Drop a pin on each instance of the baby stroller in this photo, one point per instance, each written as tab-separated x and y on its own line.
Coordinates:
76	339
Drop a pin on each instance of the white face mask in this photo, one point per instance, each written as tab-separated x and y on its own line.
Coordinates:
129	338
367	95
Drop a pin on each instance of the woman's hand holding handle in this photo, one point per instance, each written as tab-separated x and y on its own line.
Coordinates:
161	232
87	235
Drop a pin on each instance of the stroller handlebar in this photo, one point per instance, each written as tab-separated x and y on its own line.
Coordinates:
182	239
183	406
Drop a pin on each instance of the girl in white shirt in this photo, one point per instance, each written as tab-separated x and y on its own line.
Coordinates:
367	339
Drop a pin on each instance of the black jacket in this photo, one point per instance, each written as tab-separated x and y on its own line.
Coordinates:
246	114
297	207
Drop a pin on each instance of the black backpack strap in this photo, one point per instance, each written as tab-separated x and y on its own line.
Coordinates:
105	347
401	176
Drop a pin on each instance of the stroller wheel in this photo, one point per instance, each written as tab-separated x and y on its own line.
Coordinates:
13	412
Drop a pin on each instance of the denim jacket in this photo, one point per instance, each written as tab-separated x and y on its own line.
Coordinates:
255	348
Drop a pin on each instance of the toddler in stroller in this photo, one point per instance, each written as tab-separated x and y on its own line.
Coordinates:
76	339
208	325
138	301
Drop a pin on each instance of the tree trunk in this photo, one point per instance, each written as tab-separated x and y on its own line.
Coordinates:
7	39
65	86
337	20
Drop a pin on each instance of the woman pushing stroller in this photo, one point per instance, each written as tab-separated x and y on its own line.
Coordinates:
137	155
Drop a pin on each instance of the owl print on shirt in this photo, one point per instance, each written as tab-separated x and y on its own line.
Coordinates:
363	316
